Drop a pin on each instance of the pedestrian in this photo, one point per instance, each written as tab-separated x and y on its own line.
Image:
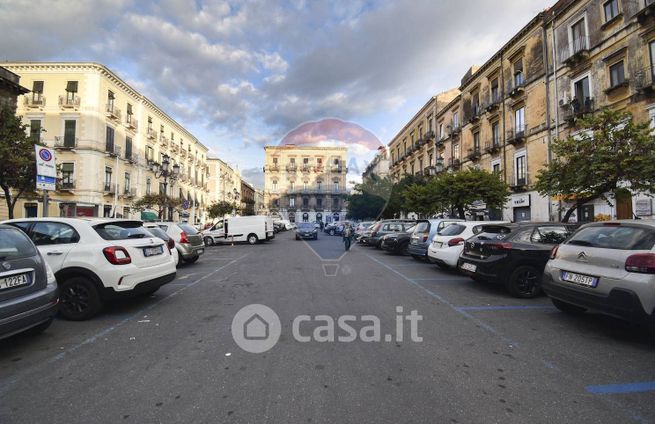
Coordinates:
347	236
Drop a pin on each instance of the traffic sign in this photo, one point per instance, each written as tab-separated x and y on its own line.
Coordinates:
46	170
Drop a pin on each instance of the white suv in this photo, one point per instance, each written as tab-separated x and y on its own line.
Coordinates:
95	260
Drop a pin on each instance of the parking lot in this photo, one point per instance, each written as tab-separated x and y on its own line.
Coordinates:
484	356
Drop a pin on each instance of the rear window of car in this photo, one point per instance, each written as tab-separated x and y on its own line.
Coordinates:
492	229
551	234
122	230
615	237
452	230
158	232
422	227
188	229
305	226
411	229
15	244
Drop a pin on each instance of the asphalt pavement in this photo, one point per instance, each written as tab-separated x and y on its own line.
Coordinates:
483	356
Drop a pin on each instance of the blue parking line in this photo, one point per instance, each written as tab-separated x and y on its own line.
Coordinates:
608	389
442	279
504	307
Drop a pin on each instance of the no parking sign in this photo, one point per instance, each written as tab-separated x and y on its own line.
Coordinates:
46	171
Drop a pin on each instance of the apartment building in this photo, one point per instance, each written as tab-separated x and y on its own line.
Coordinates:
379	166
224	181
306	183
247	198
110	143
603	54
413	150
10	88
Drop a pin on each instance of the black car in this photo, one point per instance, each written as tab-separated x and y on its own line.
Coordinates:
306	230
28	289
387	226
397	243
513	254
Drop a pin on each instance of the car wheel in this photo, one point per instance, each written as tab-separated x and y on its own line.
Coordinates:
524	282
252	239
192	260
568	308
209	241
404	249
38	329
79	299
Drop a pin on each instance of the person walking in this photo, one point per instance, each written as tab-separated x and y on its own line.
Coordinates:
347	235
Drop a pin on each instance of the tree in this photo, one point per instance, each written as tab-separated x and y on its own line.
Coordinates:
369	198
609	152
457	192
158	201
220	209
398	198
18	164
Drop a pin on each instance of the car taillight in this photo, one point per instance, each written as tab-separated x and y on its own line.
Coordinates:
500	246
117	255
553	253
456	241
643	263
425	237
183	238
171	244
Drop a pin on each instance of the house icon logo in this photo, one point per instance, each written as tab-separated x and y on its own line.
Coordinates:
256	328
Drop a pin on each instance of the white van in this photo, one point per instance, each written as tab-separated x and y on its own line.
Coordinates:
240	228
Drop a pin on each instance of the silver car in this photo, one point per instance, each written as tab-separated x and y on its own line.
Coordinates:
188	241
607	267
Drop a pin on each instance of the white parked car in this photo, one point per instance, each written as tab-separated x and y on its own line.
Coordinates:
95	260
448	244
157	231
240	228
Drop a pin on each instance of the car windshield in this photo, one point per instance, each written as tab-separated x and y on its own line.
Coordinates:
422	226
621	237
305	226
122	230
158	232
14	244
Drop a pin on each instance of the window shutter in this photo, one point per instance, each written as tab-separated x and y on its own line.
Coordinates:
71	86
37	87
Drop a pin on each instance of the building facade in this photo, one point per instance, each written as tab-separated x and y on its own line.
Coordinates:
247	198
10	88
107	137
306	183
379	166
224	181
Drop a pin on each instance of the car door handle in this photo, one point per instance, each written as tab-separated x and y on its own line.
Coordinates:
55	253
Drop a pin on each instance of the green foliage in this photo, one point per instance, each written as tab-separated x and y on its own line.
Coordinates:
456	192
369	198
159	202
609	151
18	164
220	209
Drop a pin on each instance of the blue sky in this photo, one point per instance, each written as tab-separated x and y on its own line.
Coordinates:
241	74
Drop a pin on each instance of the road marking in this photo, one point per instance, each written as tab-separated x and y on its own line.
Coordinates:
505	308
6	385
608	389
442	279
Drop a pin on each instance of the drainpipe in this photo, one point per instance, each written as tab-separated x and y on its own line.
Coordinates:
504	128
550	153
547	83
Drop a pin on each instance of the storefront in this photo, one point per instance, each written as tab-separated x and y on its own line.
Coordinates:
521	207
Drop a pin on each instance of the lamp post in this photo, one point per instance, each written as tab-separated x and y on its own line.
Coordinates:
167	172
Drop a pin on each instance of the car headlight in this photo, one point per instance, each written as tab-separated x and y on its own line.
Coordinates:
49	274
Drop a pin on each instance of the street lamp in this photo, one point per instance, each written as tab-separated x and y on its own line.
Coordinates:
164	170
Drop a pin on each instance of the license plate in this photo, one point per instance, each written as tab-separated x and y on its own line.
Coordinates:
437	244
468	267
152	251
14	281
583	280
200	251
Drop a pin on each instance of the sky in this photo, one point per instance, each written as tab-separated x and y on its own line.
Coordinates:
243	74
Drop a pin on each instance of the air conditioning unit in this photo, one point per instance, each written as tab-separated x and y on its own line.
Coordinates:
564	101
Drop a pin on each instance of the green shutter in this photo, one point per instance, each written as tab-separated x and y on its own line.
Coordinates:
71	86
69	133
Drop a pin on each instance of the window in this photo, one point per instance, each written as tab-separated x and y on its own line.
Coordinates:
518	73
108	172
582	90
319	202
578	36
455	120
551	234
620	237
651	52
495	167
71	91
519	120
441	133
430	123
110	100
67	172
521	172
456	151
293	160
149	123
336	186
292	202
611	9
617	74
148	185
319	185
150	154
37	91
109	140
274	185
476	141
292	186
128	147
495	133
128	116
35	130
69	132
495	94
127	182
305	161
305	202
49	233
405	146
123	230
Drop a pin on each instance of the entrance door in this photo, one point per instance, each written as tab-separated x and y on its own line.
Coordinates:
624	205
522	214
586	213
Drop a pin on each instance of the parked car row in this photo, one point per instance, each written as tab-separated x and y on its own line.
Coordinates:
605	267
74	266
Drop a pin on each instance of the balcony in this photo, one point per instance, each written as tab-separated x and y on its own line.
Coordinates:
129	193
131	122
453	163
182	153
67	102
440	142
476	111
174	148
67	185
151	134
647	12
65	143
517	136
644	81
272	168
34	101
306	169
519	184
518	87
429	135
319	168
474	154
493	102
577	109
291	167
338	169
190	158
575	51
130	156
455	129
112	112
163	140
112	149
109	189
492	147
